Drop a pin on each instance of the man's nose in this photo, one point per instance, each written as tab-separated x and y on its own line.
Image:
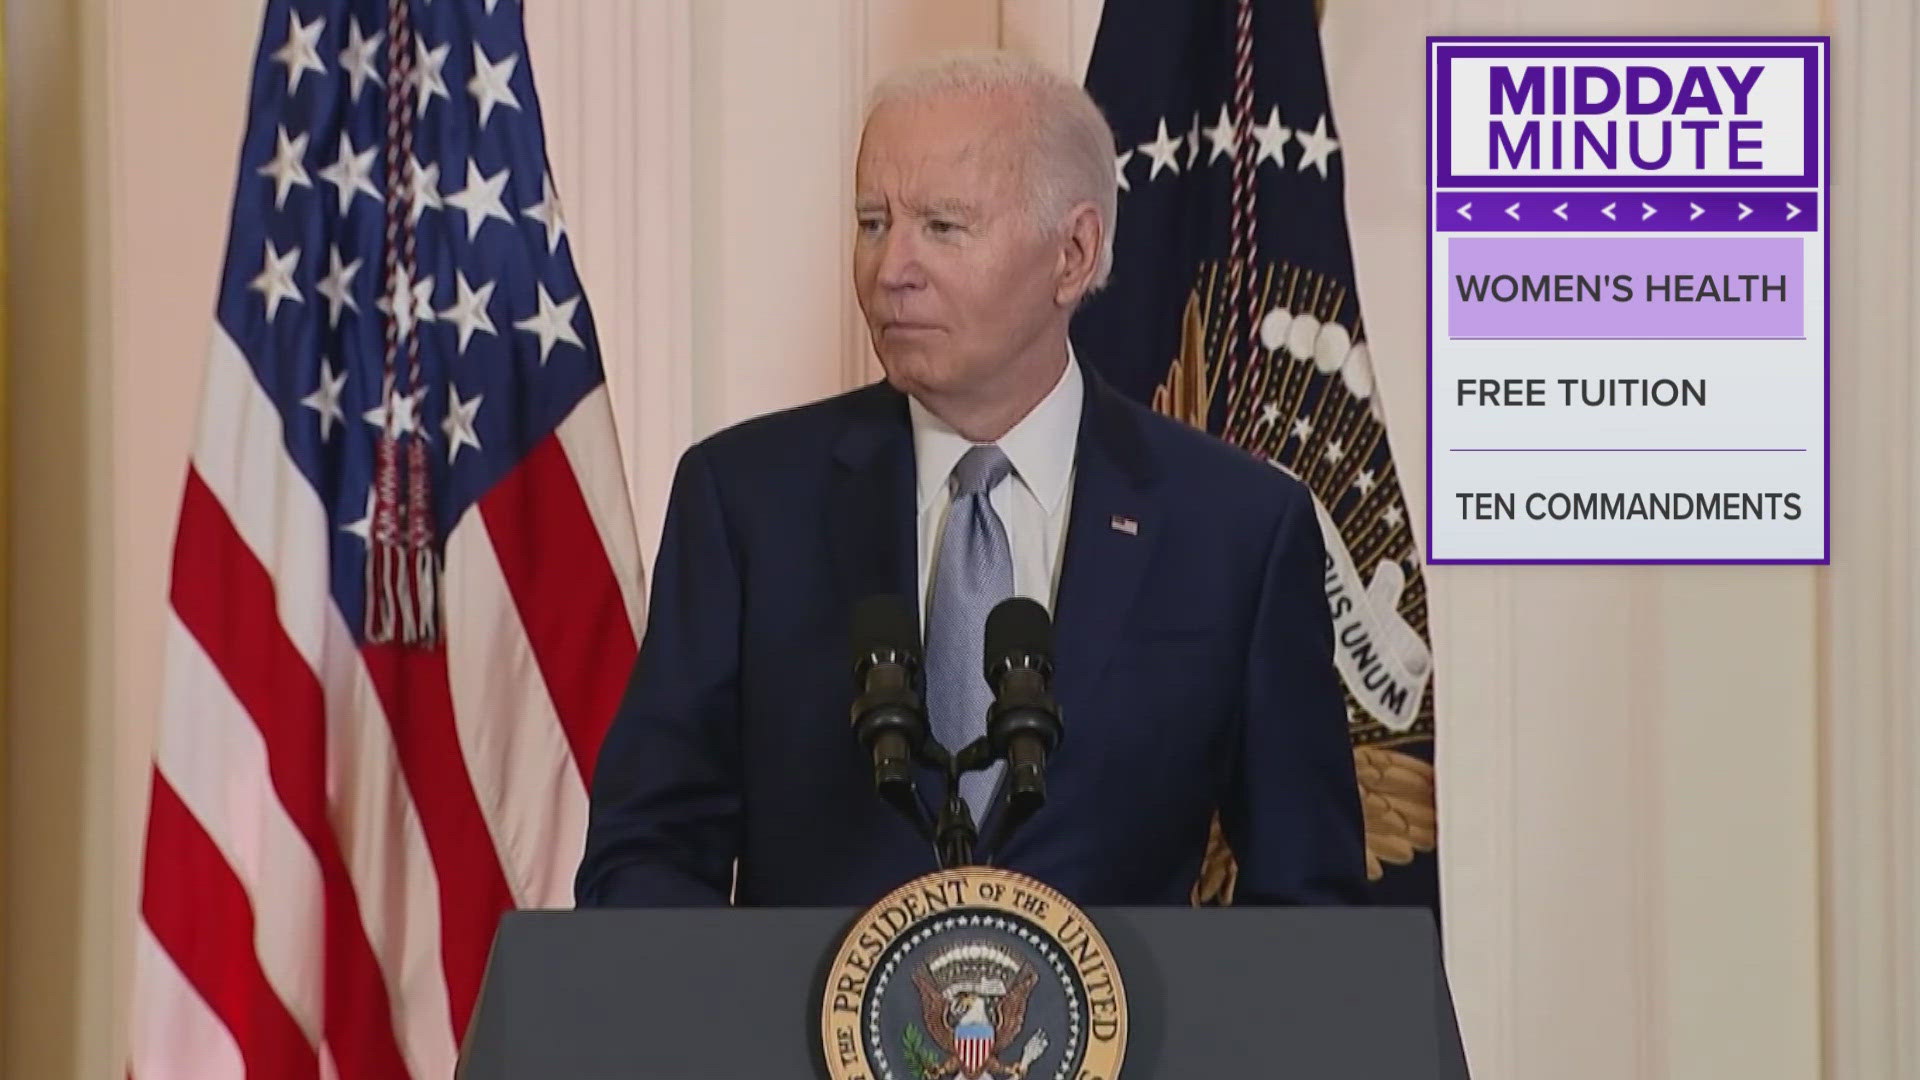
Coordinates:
899	261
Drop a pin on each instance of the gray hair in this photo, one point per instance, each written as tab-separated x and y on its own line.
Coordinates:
1066	144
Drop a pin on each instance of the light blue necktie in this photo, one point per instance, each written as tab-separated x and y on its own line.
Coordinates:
974	572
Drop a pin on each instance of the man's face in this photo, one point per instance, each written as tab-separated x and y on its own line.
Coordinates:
954	277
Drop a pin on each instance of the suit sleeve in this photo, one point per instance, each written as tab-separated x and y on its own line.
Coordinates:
665	825
1292	814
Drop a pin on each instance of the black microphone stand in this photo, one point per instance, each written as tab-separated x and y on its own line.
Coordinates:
956	834
1025	708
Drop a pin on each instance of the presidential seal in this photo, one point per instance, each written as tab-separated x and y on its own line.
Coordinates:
970	974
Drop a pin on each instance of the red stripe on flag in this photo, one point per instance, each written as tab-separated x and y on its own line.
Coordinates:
199	912
224	596
412	685
550	553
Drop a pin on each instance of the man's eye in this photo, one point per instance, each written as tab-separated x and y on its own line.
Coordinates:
942	228
872	226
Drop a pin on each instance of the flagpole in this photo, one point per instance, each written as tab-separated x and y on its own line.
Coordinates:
6	494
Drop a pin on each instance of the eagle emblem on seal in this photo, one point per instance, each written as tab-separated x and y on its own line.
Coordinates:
973	1002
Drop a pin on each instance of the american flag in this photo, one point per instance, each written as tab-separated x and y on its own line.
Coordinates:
406	587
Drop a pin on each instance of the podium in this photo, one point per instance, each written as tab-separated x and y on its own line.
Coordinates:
733	994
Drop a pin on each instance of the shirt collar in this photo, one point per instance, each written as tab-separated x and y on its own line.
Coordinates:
1040	446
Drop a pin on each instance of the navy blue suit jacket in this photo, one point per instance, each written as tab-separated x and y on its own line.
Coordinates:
1194	672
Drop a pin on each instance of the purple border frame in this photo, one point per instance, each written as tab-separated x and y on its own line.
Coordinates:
1820	48
1547	210
1442	115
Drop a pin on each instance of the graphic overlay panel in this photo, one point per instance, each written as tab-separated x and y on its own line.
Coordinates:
1627	300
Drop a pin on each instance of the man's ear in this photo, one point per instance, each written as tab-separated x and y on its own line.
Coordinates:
1080	245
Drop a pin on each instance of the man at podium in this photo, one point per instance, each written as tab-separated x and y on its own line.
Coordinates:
1194	657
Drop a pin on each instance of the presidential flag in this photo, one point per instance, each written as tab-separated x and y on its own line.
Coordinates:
1232	307
405	588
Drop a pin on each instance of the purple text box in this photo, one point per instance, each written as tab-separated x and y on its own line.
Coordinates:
1739	267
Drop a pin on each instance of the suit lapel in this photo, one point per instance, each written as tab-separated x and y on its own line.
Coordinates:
870	507
872	518
1112	529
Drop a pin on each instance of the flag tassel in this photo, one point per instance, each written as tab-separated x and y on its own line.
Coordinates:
403	596
426	571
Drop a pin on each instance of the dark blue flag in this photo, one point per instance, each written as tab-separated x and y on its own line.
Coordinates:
1232	306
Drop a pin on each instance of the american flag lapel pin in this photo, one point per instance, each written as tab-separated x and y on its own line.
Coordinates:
1125	524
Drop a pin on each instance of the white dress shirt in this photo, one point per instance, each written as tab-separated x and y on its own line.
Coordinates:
1032	502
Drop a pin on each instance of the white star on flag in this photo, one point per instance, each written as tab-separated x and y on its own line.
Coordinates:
1193	142
352	174
337	286
1225	139
552	323
1164	150
1120	169
1365	481
481	199
301	53
1269	414
399	413
425	181
326	399
426	73
405	417
1335	451
287	168
409	303
469	310
364	527
1302	429
491	83
547	213
275	281
1317	145
359	60
1272	137
1391	515
458	423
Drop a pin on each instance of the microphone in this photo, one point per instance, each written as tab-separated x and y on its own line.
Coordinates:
888	717
1023	725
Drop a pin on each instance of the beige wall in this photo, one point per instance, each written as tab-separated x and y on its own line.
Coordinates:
1659	861
1870	680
